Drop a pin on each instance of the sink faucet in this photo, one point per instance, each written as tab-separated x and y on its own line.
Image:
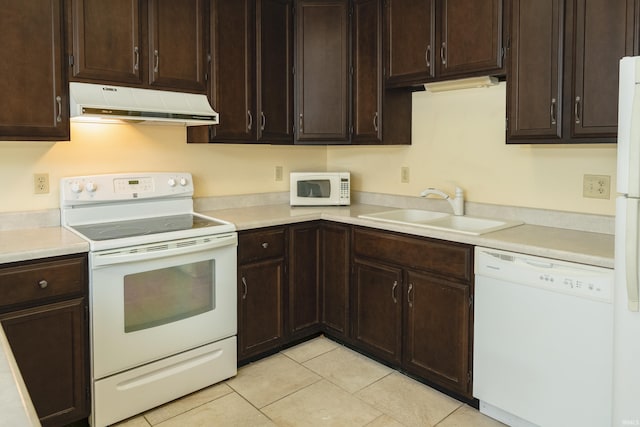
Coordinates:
457	203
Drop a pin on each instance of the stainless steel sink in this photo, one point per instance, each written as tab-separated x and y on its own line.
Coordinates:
442	221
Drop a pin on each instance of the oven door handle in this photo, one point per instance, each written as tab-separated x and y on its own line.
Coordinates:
162	250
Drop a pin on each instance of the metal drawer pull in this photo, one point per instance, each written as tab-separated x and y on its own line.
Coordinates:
263	121
554	117
375	121
578	109
245	288
136	53
250	125
265	245
409	300
393	292
442	53
43	284
300	127
427	56
59	101
156	55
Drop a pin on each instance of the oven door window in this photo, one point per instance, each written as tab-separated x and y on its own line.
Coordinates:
320	188
157	297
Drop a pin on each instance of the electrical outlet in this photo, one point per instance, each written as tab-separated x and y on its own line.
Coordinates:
596	186
41	183
404	174
278	173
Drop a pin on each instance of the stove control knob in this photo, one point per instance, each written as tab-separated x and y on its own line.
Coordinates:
171	182
76	187
183	182
91	187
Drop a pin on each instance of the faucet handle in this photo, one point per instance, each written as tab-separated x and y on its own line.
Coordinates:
459	192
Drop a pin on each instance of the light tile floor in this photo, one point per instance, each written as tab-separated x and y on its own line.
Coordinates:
317	383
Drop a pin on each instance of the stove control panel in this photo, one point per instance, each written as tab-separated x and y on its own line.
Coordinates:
116	187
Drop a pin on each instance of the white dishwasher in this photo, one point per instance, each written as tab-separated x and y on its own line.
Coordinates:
543	347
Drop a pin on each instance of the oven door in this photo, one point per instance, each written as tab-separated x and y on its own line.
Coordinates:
156	300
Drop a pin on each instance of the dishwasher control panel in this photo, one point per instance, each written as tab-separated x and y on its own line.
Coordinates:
554	275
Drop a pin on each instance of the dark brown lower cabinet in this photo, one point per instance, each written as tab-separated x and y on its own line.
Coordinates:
377	309
48	344
412	307
261	291
304	279
43	312
335	270
436	331
402	299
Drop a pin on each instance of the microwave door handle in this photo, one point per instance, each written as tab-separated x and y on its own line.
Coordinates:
125	256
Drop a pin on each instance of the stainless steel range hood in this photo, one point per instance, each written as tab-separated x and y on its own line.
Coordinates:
96	102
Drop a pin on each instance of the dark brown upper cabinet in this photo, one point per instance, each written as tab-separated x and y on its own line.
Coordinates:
340	96
155	43
562	80
322	71
32	79
430	40
252	72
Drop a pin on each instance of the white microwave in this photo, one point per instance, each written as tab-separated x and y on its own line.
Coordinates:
320	188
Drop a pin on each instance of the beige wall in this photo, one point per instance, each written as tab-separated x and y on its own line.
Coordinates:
95	148
457	137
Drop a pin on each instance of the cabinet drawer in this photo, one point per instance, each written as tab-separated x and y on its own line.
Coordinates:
452	260
41	280
262	244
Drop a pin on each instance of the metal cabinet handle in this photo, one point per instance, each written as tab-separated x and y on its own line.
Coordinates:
375	121
301	121
59	102
409	300
442	53
393	292
156	56
263	121
554	117
265	245
578	109
427	56
136	56
245	288
250	116
43	284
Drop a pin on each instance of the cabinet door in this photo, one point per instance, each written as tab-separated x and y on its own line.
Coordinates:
322	71
32	81
470	37
604	33
274	119
534	79
437	341
335	279
233	88
304	279
260	307
410	38
49	345
377	309
367	71
106	41
177	49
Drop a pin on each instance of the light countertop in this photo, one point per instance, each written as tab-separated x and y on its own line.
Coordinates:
33	243
568	245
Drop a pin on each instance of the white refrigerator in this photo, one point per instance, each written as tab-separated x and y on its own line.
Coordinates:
626	341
